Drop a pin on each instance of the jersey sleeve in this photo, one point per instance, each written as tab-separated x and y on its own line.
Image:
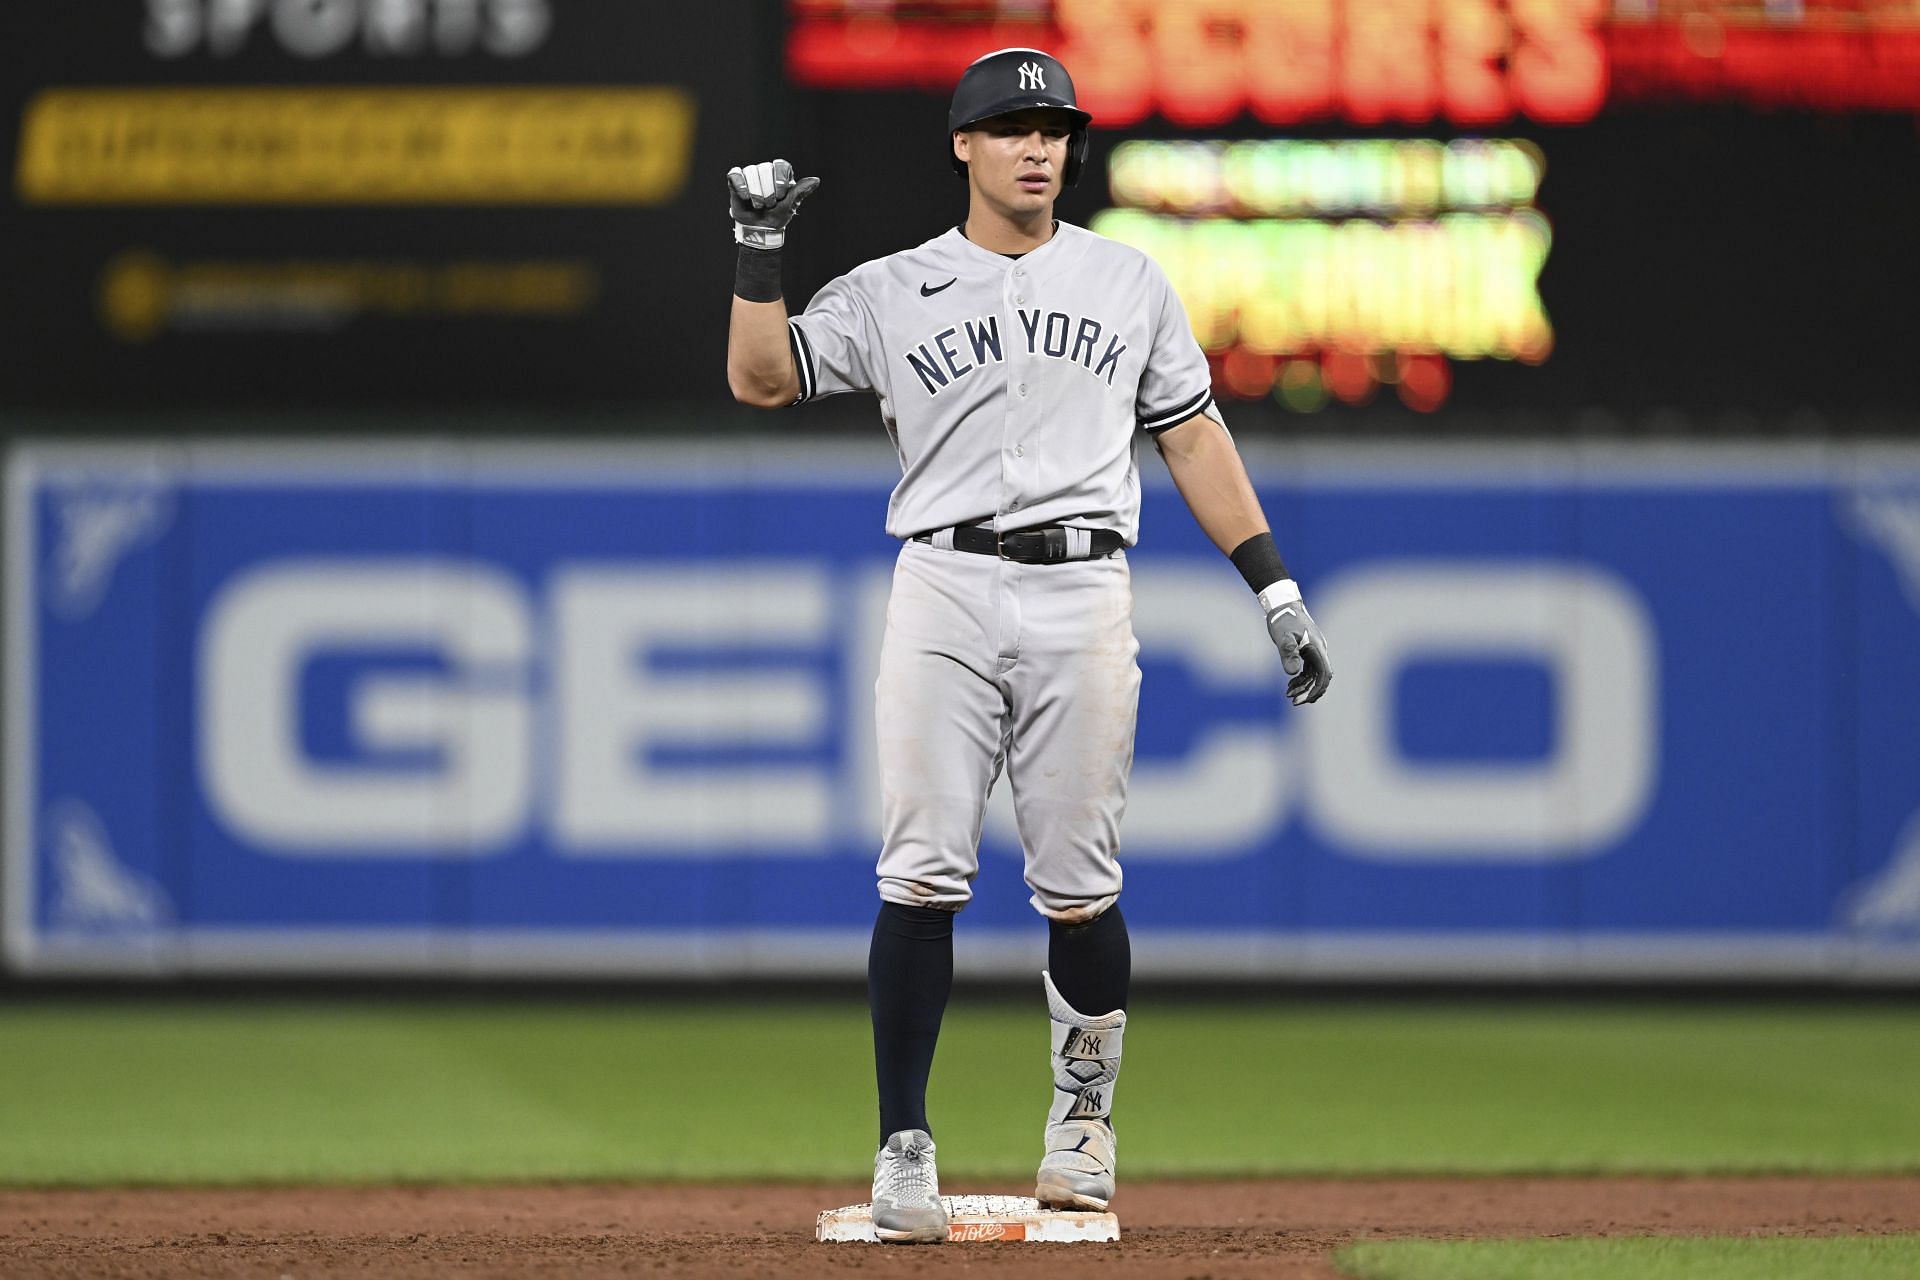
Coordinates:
1176	383
831	342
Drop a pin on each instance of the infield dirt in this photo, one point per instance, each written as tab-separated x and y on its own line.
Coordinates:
1286	1228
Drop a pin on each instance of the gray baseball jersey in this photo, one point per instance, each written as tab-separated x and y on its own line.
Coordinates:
1012	388
1015	390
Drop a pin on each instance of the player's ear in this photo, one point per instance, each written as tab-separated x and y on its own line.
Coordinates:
960	145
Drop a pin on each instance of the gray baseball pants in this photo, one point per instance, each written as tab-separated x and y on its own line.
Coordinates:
987	664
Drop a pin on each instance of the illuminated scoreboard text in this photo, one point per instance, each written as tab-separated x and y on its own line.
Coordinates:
1347	263
1201	63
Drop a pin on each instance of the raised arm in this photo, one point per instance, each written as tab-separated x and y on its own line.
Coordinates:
1207	470
762	199
760	368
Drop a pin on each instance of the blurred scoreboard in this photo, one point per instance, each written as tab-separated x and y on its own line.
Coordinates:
1322	265
1499	215
1200	63
1305	265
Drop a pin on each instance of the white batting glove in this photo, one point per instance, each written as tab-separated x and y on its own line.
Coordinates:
1303	650
763	199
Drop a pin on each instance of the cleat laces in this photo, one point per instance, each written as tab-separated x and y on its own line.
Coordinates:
910	1174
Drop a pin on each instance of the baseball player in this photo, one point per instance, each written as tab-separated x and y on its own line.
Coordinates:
1017	361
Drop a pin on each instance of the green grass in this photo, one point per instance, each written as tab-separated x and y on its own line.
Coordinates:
1638	1258
216	1092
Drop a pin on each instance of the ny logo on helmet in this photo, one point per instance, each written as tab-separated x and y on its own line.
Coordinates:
1032	76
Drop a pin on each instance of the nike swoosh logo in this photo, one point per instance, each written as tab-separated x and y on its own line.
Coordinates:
927	291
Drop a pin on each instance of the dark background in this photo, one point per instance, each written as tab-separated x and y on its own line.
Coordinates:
1715	270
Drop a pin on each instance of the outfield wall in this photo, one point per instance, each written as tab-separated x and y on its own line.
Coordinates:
579	710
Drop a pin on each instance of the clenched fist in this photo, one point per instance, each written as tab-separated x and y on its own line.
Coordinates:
763	199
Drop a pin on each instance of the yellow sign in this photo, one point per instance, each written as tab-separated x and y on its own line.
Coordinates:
299	146
1463	285
1292	178
142	295
1321	269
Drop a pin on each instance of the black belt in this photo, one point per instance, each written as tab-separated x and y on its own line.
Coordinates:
1045	545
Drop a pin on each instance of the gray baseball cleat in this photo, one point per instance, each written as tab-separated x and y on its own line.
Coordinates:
906	1191
1077	1171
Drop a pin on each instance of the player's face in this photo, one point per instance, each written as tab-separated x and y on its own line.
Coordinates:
1017	163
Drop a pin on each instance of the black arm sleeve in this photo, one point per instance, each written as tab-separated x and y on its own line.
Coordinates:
1259	562
756	276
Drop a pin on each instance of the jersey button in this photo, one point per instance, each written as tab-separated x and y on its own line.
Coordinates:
1019	451
1018	272
1019	298
1023	388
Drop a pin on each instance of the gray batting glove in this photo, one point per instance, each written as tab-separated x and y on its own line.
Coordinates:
763	199
1303	649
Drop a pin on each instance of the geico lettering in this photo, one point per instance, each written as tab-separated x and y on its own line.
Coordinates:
473	722
464	783
623	750
1584	626
613	710
322	28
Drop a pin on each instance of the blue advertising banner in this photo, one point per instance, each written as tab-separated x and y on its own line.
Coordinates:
577	710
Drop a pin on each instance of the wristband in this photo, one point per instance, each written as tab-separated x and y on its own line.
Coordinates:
1282	593
1259	562
756	275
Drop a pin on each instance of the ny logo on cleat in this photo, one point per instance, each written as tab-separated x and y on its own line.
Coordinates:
1082	1044
1031	76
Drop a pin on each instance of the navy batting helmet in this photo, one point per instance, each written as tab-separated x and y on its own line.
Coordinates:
1016	80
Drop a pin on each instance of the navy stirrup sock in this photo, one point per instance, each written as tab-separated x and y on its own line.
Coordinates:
1092	963
909	976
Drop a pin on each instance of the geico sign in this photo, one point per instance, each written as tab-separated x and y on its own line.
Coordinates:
558	714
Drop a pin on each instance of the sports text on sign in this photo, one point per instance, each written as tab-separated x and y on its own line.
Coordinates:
383	28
